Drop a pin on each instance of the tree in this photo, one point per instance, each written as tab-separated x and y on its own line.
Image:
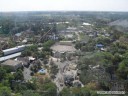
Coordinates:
2	73
30	93
48	44
30	50
18	75
104	40
65	92
54	70
7	25
5	91
92	85
78	45
84	91
117	58
122	70
48	88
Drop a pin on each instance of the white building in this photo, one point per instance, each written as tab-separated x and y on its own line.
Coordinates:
13	50
10	56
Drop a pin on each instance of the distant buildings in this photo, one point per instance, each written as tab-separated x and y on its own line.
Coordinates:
69	30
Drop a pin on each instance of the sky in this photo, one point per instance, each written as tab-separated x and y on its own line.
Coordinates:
63	5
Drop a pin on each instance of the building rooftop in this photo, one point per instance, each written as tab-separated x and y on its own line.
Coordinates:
11	62
71	28
63	48
14	48
10	56
18	34
84	23
42	71
24	60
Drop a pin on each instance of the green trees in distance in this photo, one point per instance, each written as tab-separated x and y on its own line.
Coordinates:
6	25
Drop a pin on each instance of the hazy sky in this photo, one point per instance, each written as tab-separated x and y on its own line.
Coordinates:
65	5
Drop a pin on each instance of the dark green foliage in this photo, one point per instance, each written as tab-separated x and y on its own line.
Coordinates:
65	92
116	34
8	69
48	44
48	88
78	92
5	91
104	41
86	47
54	70
7	26
78	45
18	75
2	73
19	87
30	93
30	51
123	69
104	85
36	67
31	86
45	61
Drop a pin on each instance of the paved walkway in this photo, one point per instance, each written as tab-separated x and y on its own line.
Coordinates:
27	74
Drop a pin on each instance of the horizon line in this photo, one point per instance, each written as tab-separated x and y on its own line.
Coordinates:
16	11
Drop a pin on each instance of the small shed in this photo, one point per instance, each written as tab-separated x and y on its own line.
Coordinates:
42	71
99	45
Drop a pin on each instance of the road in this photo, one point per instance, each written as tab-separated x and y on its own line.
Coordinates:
26	74
60	76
